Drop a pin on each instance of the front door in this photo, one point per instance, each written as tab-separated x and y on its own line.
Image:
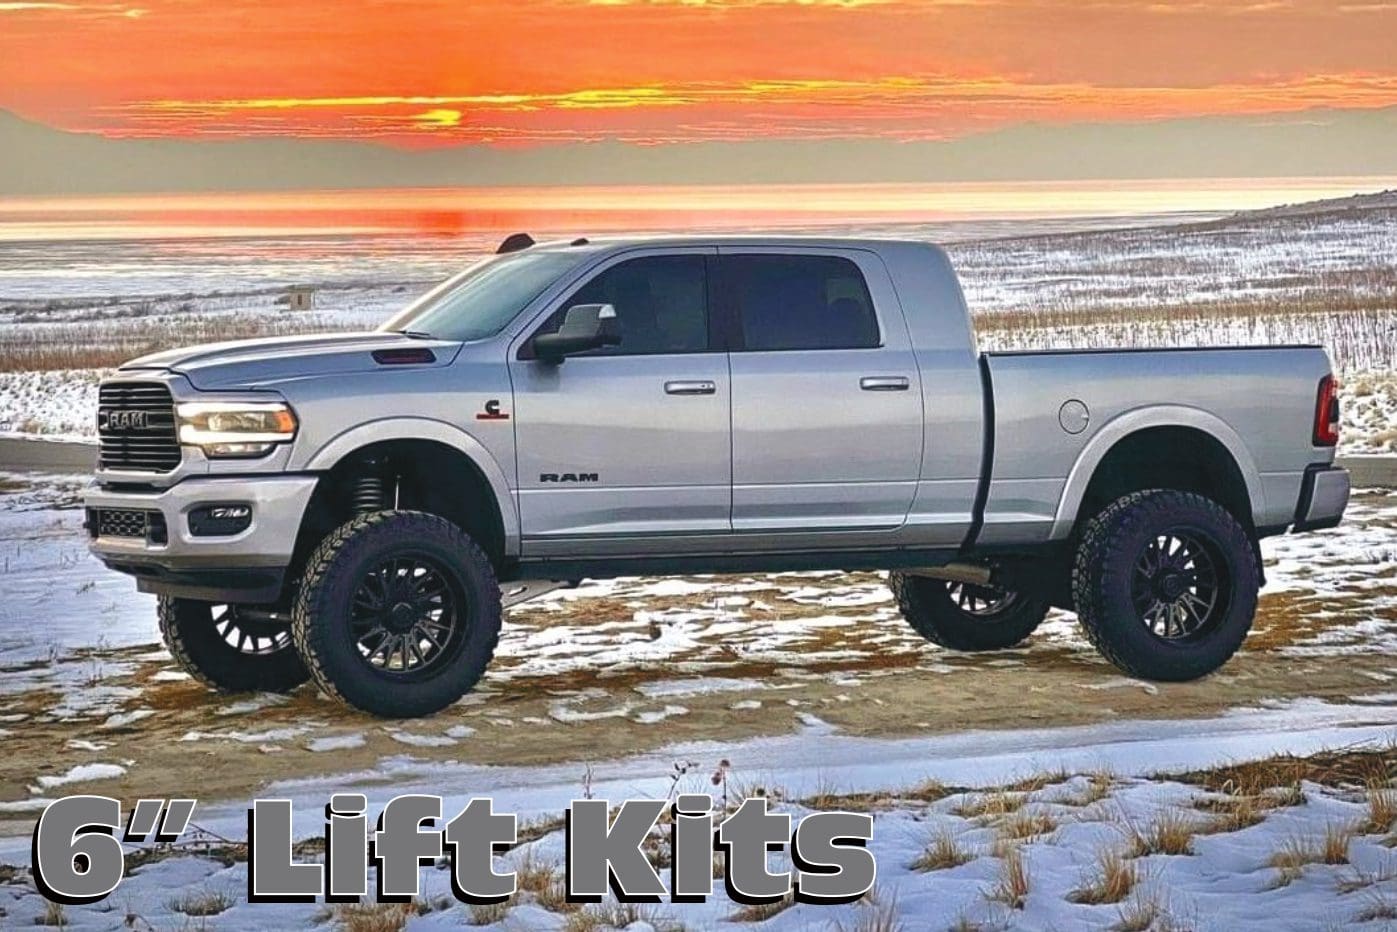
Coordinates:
634	439
827	412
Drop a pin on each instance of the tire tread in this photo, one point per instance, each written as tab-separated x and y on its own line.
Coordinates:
311	638
1091	581
936	618
279	672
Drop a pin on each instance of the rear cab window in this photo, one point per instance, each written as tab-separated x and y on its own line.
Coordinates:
797	302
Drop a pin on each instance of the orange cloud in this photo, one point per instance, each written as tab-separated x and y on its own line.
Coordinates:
911	107
81	9
426	72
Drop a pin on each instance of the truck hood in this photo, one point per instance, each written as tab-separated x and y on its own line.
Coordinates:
247	364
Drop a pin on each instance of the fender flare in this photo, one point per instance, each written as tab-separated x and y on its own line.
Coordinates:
421	428
1134	421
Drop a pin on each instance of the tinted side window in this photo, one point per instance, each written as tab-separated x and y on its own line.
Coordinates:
661	305
800	303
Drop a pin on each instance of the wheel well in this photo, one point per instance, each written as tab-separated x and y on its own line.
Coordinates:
416	475
1182	458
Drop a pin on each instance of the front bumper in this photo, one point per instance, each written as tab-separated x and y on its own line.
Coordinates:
147	534
1324	494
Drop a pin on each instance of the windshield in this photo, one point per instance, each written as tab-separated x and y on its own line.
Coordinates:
479	302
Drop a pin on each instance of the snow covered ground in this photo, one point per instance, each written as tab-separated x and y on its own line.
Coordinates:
813	689
1027	830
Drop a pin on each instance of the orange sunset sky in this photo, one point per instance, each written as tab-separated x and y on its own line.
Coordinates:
422	73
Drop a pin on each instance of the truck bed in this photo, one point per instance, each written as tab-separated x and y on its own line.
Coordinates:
1258	401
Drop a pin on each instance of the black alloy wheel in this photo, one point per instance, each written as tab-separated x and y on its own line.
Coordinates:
1181	587
409	616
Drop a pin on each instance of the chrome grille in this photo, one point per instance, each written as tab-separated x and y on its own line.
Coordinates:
136	427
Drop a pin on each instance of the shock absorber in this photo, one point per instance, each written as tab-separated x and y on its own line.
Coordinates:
367	493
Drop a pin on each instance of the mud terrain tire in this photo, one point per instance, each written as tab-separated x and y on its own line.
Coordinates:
398	613
1165	584
944	613
229	649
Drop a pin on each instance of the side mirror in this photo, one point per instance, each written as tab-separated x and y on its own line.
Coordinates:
585	327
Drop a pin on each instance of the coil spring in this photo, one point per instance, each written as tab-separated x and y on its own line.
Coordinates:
367	494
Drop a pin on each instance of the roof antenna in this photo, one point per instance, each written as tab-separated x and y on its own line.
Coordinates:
515	242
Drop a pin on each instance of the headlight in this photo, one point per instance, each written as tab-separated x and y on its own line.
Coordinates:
231	429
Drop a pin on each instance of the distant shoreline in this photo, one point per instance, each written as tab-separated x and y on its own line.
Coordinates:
953	211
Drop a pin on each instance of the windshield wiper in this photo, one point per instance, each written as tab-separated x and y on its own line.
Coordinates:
415	334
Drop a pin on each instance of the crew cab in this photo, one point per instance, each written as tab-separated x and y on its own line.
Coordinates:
348	507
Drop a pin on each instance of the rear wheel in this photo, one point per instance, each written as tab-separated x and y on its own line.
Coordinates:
963	616
1165	584
398	613
231	648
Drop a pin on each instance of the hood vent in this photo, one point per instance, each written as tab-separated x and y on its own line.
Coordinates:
408	356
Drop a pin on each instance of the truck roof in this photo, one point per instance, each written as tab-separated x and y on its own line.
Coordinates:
604	243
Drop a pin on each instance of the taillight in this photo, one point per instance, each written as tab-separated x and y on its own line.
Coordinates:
1327	413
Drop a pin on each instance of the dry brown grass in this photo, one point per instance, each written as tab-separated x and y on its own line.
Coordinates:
202	903
1099	786
1026	824
107	344
992	805
1382	809
1038	781
376	917
1295	854
1171	832
1014	883
928	791
619	916
554	897
943	852
1374	767
761	912
486	914
875	916
1114	877
1231	813
1335	843
533	875
1357	328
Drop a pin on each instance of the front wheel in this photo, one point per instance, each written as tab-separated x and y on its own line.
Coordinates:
1165	584
398	613
966	617
231	648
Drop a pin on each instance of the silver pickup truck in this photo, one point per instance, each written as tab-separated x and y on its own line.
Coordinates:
348	507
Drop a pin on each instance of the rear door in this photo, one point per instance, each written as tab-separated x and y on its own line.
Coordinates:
827	415
631	440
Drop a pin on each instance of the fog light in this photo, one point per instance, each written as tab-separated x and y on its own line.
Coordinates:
222	520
